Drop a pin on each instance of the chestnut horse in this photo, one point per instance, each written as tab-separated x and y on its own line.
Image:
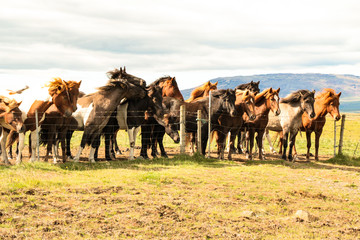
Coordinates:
63	94
244	103
264	102
151	131
202	91
11	118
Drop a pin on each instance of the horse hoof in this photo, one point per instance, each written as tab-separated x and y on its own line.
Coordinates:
118	152
283	157
164	155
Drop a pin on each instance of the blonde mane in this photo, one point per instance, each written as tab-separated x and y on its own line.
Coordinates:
202	91
9	103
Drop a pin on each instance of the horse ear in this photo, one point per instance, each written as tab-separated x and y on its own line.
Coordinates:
258	82
215	84
252	81
278	90
124	69
79	83
313	91
120	70
19	103
339	94
271	90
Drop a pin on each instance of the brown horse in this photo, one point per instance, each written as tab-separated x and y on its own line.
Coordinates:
151	131
264	102
244	103
10	119
325	102
202	91
63	94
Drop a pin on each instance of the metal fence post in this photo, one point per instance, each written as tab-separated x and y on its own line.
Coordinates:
334	138
341	134
37	135
182	129
209	130
199	131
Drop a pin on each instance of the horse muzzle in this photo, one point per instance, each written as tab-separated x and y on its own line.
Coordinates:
176	138
277	113
252	117
312	115
67	113
20	128
337	118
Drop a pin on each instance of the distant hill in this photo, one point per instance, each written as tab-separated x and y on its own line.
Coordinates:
349	85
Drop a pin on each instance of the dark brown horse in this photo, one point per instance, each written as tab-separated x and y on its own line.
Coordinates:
252	86
151	131
245	104
104	102
10	119
264	102
222	102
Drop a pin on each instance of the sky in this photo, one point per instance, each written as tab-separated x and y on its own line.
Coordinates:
195	41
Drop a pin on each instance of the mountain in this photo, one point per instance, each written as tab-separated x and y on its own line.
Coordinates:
349	85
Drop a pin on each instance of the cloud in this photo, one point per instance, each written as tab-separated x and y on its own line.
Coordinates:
189	38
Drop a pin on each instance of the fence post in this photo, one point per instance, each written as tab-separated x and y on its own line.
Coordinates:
341	134
334	138
209	128
37	135
199	131
182	129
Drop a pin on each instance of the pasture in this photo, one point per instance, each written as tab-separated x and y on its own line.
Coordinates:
187	197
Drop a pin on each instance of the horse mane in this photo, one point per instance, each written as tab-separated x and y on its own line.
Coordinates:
161	80
296	96
55	84
111	84
200	91
9	103
329	94
121	73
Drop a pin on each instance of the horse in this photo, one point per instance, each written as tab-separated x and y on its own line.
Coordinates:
292	108
222	102
104	102
266	101
252	86
63	94
151	131
202	91
11	118
131	114
244	103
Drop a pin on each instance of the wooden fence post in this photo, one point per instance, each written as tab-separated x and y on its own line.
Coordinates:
199	131
341	134
182	129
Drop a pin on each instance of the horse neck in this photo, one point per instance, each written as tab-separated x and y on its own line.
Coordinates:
262	107
39	106
296	109
320	109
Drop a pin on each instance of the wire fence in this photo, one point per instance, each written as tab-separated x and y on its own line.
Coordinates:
346	129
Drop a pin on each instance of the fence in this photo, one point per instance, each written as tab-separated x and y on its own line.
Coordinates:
342	137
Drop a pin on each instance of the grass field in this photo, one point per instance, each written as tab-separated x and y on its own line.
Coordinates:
187	197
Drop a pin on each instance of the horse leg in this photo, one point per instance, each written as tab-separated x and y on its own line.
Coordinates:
251	133
220	144
291	145
21	146
145	140
108	155
132	137
308	144
33	146
82	146
285	142
281	140
204	138
3	139
259	139
161	143
69	134
116	146
317	142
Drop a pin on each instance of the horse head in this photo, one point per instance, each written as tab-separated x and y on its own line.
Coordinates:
64	95
273	101
307	102
171	124
171	89
11	114
122	74
331	100
227	100
246	99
